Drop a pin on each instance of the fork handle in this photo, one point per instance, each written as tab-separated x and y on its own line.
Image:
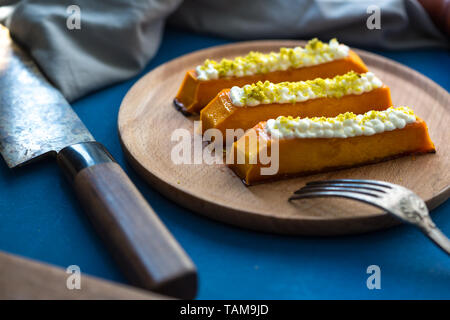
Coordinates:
439	238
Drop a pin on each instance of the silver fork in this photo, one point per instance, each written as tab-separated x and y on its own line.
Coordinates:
396	200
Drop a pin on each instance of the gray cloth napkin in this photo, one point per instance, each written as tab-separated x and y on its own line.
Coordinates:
118	37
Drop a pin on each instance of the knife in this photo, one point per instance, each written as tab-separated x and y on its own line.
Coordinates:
36	121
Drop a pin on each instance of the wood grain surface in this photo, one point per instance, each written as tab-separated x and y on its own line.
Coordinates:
22	278
147	120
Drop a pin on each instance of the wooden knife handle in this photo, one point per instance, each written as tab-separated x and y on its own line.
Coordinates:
148	254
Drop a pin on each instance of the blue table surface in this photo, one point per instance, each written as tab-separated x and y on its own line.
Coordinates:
40	218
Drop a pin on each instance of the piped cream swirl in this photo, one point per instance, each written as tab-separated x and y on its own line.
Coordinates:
291	92
343	126
315	52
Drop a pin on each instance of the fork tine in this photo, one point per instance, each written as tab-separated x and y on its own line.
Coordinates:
362	190
354	181
344	185
338	189
339	194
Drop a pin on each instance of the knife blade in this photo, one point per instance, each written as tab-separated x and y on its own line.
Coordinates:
36	121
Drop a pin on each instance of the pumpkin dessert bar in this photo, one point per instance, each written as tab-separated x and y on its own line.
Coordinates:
315	60
243	107
312	145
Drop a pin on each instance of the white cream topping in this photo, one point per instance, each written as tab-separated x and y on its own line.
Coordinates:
343	126
291	92
314	53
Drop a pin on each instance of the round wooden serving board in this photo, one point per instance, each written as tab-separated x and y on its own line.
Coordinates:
147	119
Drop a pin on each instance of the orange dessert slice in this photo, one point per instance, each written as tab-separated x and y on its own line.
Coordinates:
303	146
316	60
244	107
